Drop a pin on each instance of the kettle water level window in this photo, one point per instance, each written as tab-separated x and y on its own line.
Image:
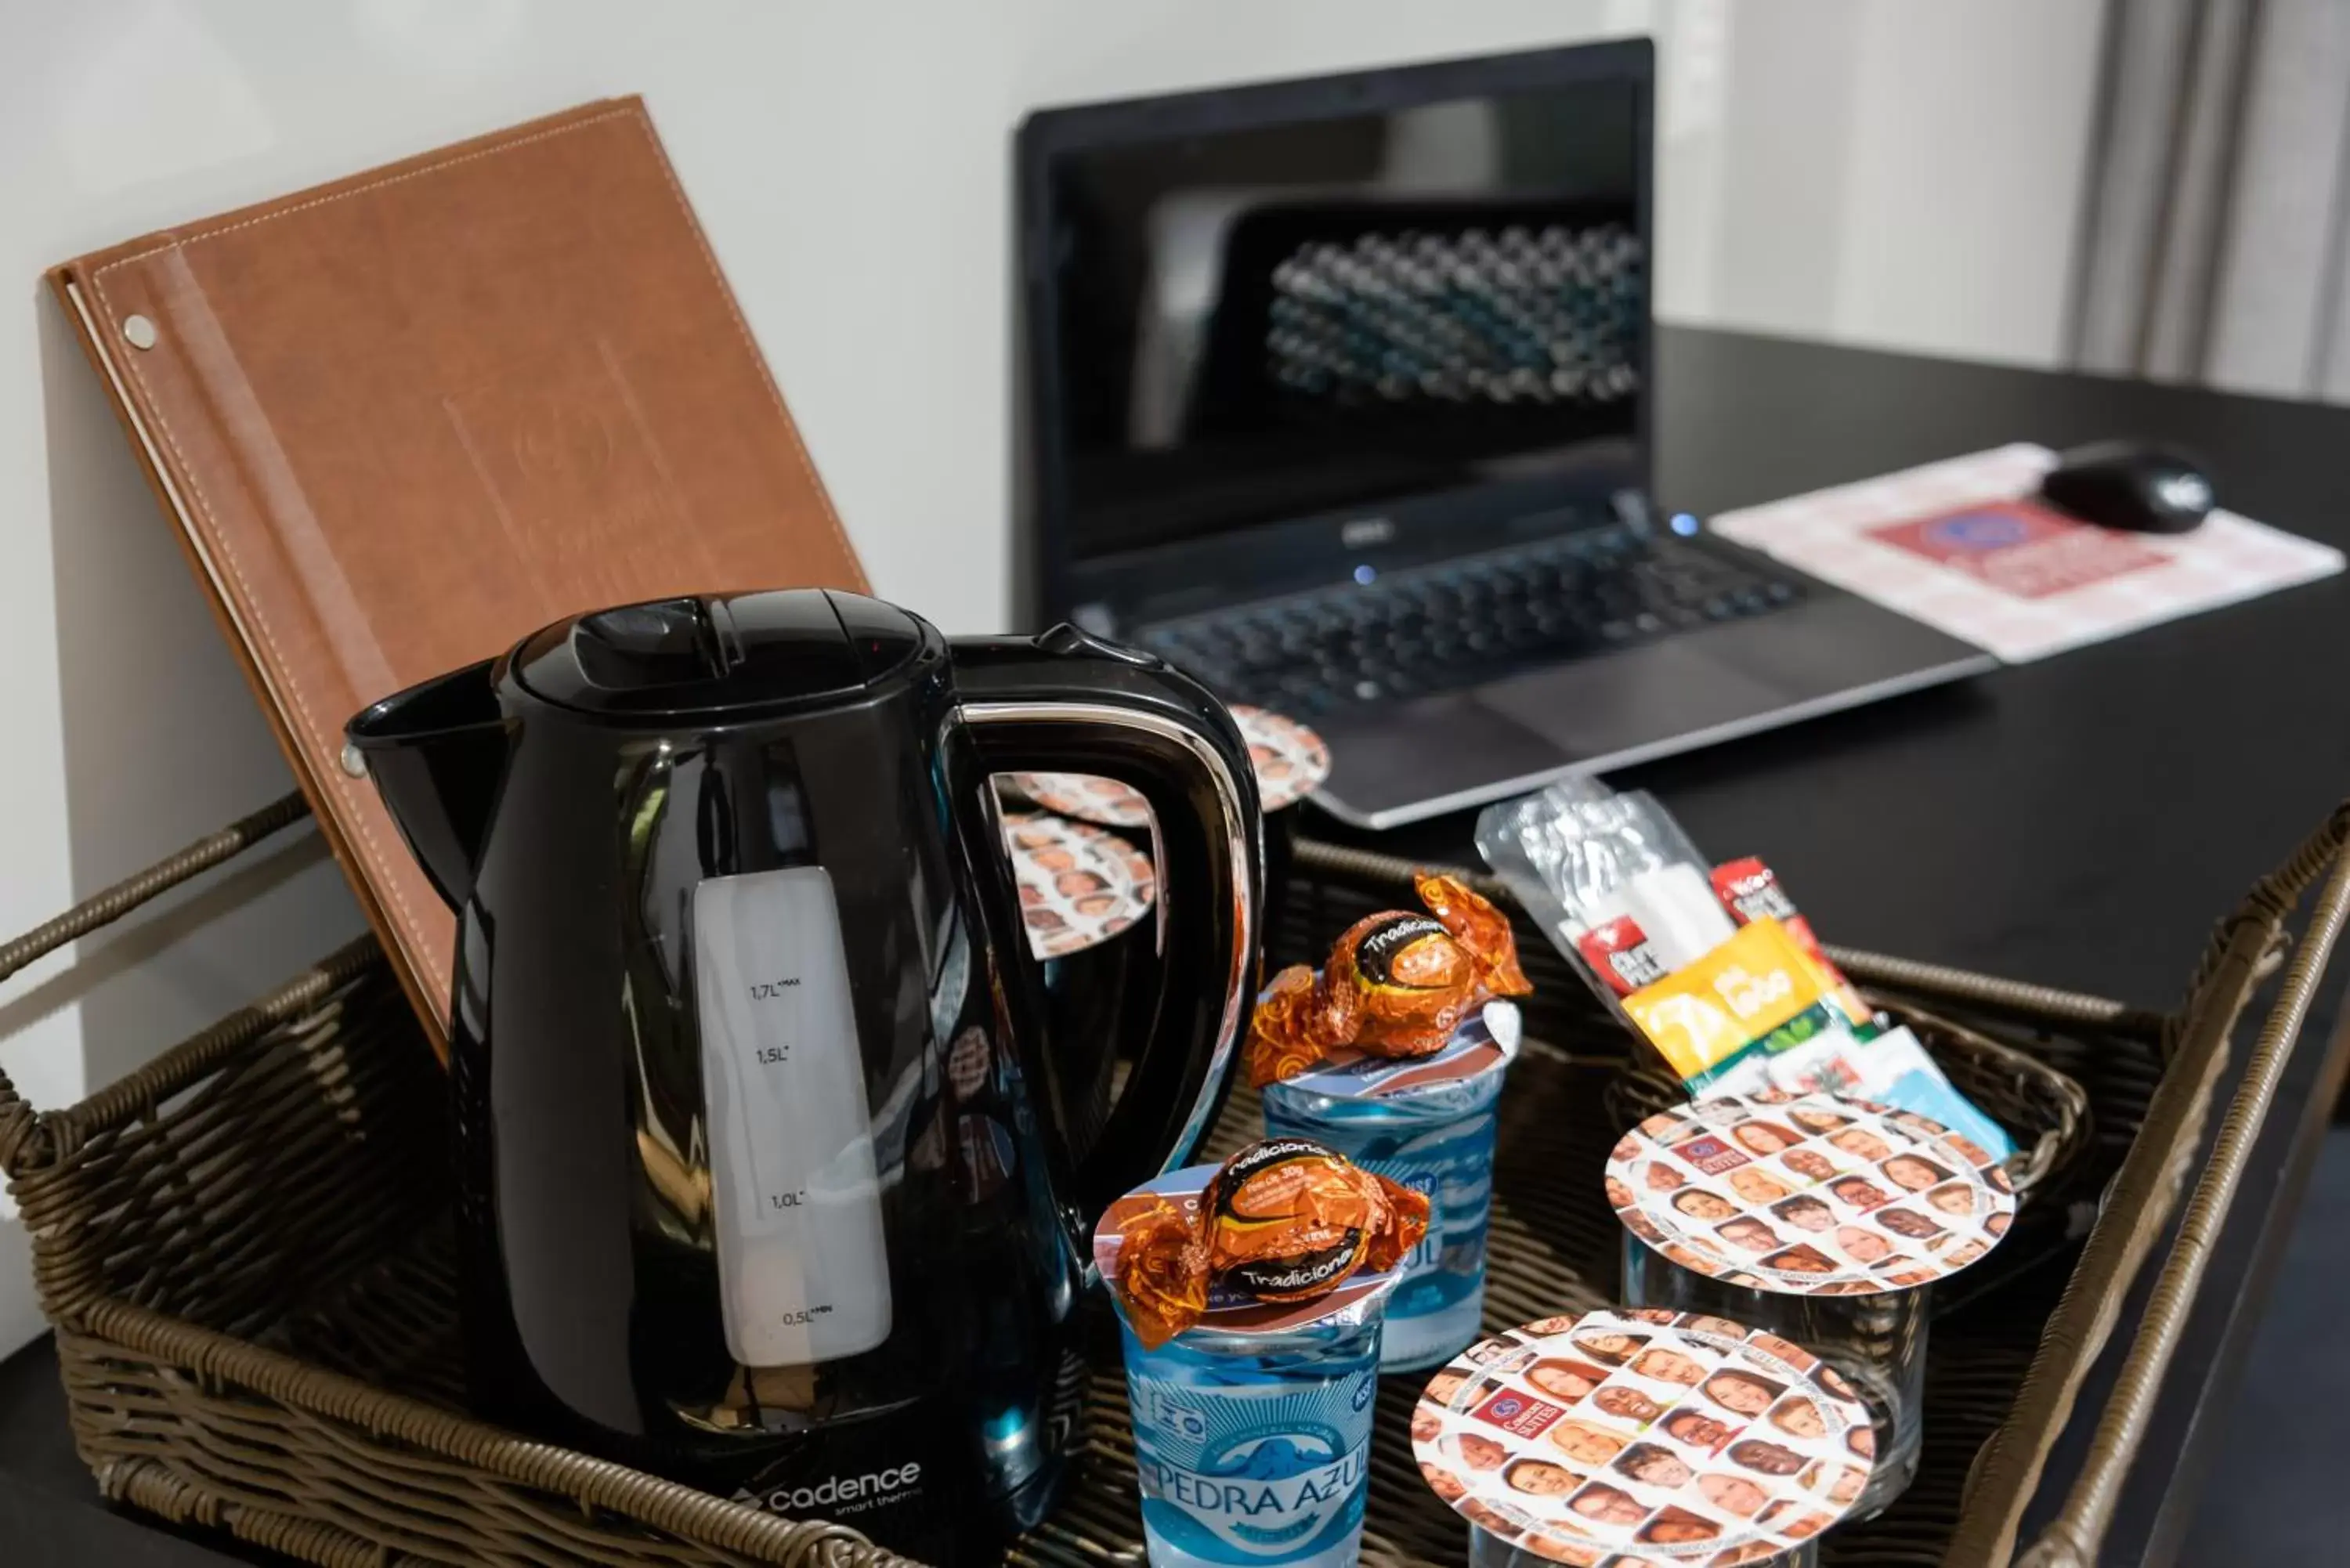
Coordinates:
803	1274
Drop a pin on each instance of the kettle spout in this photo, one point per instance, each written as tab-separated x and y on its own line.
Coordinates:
438	753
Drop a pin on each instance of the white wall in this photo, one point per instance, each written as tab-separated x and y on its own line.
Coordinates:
1964	178
1870	170
1900	175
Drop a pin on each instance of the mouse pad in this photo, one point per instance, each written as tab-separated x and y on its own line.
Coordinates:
1964	546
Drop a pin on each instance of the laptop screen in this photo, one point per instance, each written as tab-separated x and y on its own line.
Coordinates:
1321	316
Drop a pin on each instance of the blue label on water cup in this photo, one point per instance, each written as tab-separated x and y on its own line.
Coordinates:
1260	1474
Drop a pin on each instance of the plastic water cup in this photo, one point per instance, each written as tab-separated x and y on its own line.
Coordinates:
1253	1449
1826	1221
1877	1342
1438	1141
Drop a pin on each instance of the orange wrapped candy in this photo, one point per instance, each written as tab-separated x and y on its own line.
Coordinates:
1284	1220
1396	984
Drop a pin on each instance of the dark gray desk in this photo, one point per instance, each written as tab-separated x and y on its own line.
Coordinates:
2081	822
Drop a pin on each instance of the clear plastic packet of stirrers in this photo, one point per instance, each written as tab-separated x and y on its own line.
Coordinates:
1618	887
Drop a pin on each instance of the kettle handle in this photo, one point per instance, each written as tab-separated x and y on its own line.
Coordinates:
1068	703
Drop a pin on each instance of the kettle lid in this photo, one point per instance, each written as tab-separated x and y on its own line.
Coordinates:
716	652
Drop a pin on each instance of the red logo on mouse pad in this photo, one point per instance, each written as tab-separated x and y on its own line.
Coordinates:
2020	549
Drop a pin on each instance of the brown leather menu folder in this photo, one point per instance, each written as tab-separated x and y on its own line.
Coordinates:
405	419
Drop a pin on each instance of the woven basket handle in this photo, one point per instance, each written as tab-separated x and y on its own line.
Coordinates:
2139	1203
18	1118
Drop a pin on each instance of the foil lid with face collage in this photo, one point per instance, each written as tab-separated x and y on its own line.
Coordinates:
1644	1437
1079	885
1290	760
1809	1195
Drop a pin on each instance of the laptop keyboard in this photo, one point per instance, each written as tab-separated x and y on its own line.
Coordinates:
1463	623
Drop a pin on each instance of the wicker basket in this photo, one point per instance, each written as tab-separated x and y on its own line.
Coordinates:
244	1248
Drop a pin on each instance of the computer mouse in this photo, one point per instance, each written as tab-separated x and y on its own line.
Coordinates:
2136	486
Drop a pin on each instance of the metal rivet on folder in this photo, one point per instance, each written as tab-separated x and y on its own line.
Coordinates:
139	330
353	764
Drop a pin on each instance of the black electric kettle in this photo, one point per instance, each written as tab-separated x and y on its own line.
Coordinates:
761	1177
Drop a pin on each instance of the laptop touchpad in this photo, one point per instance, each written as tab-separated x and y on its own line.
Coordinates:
1384	756
1597	706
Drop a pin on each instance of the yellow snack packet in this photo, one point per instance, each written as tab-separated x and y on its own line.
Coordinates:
1716	1010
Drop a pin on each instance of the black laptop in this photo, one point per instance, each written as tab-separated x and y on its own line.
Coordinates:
1337	394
